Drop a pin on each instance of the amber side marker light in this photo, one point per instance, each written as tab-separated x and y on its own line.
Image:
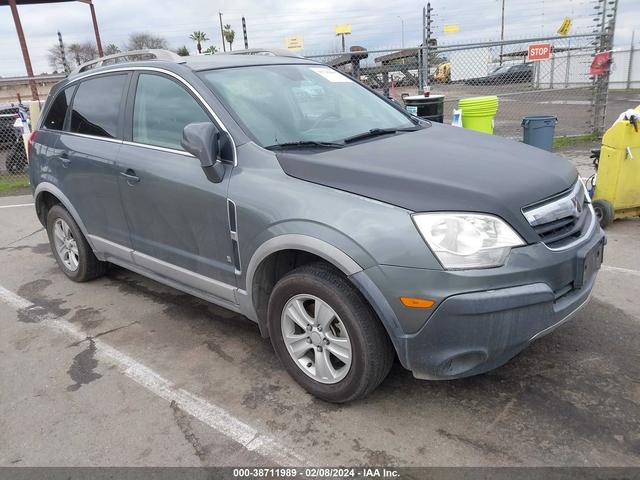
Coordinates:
413	302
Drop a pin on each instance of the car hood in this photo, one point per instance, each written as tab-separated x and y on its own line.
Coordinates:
440	168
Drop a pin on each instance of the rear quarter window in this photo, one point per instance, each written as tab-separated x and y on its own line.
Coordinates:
58	111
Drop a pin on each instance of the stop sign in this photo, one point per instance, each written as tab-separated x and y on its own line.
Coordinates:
539	51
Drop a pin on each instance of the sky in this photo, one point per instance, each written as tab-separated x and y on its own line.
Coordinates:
375	24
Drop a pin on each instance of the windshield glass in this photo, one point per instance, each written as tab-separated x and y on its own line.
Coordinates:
280	104
500	70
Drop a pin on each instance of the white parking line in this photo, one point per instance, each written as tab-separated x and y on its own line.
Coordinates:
621	270
18	205
210	414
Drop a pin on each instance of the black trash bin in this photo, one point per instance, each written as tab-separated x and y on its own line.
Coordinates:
427	108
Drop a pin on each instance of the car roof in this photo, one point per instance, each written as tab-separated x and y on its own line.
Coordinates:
194	63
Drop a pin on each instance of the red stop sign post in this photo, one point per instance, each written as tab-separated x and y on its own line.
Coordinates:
539	51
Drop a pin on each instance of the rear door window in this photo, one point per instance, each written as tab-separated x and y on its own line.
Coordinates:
161	109
96	106
58	111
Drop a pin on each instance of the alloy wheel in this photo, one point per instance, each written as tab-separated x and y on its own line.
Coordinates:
316	338
66	245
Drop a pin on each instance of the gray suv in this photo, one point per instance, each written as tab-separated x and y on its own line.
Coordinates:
349	231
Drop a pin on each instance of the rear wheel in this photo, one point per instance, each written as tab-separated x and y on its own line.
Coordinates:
326	335
604	212
70	248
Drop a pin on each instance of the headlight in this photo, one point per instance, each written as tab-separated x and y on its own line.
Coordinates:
467	240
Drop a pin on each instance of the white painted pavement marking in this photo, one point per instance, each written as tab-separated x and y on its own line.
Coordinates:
17	205
621	270
210	414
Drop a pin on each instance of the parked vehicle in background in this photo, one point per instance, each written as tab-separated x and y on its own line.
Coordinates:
16	161
348	230
8	115
520	73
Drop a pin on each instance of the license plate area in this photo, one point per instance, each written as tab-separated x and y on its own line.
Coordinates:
589	263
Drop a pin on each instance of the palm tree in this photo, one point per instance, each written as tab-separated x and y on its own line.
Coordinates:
211	50
199	37
183	51
229	35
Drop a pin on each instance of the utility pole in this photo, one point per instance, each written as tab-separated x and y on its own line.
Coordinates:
23	47
601	95
631	54
244	33
428	43
224	47
421	51
343	45
63	54
402	26
502	33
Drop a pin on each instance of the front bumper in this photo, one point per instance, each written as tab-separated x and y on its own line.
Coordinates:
483	317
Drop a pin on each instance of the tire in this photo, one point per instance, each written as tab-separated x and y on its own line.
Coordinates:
87	266
354	323
604	212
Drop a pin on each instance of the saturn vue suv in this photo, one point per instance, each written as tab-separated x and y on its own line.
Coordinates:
350	231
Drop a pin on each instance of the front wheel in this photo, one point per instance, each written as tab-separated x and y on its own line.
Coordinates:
326	334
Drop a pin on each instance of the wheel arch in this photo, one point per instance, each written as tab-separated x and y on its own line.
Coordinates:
281	254
47	195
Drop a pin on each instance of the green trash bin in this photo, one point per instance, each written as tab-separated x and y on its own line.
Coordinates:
478	113
539	130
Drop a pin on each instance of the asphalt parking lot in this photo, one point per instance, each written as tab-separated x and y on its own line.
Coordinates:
124	371
571	106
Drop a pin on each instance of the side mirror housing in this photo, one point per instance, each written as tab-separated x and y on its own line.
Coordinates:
202	140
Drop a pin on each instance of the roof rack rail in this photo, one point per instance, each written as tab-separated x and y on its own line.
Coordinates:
273	52
129	56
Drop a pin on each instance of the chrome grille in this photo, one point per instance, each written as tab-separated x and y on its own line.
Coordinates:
561	220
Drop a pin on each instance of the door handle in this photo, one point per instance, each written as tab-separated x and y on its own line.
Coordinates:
131	176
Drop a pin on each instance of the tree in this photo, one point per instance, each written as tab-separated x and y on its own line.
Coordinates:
211	50
110	49
54	56
229	35
199	37
76	54
144	40
183	51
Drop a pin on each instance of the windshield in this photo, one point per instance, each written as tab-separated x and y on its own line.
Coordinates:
500	70
282	104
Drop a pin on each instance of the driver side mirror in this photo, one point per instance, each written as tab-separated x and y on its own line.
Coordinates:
202	140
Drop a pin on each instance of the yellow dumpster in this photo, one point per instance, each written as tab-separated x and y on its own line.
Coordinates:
617	189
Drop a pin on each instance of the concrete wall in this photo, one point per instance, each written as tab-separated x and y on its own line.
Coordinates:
11	87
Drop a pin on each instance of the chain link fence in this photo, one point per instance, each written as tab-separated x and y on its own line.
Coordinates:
560	86
15	101
13	158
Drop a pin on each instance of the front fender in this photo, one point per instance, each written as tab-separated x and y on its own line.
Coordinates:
310	237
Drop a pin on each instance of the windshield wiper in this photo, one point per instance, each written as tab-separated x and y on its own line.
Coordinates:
304	144
376	132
